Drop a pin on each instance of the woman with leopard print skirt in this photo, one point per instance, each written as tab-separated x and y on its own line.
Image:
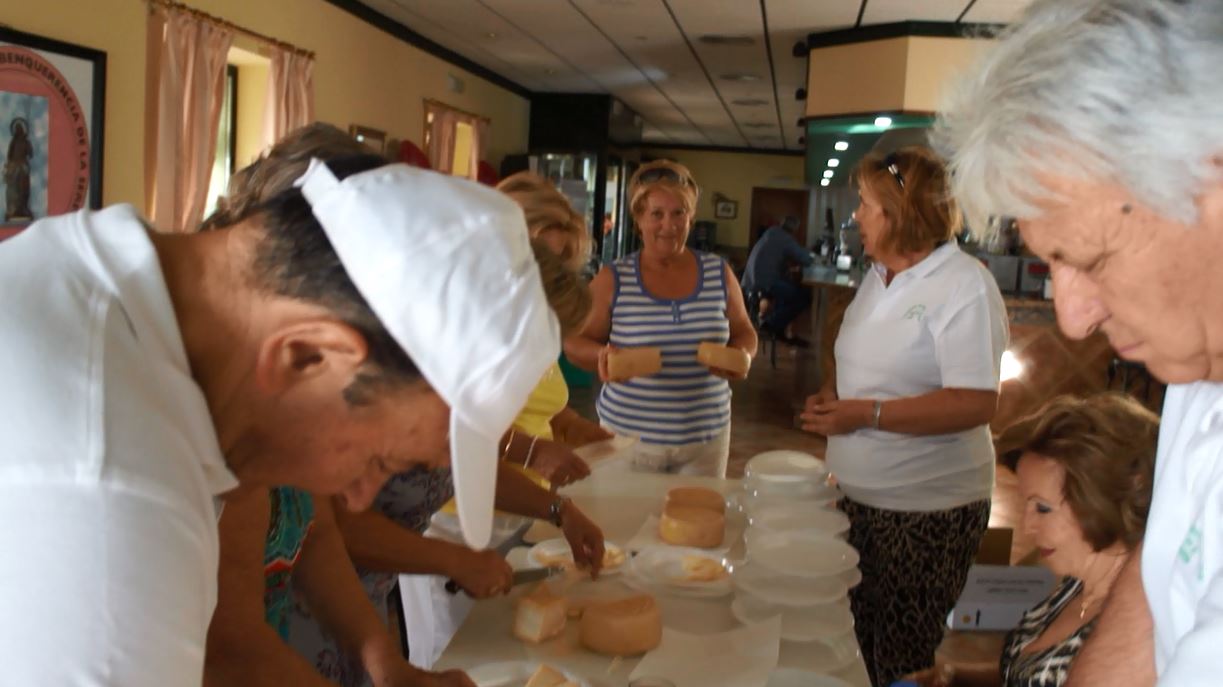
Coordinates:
907	412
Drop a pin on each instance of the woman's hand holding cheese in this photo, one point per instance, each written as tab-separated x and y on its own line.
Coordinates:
727	362
584	537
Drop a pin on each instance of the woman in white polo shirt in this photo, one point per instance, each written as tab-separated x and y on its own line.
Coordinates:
907	413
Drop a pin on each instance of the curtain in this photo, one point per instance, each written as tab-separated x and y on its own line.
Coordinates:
290	97
442	126
190	69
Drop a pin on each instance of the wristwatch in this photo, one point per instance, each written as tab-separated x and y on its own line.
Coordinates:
557	509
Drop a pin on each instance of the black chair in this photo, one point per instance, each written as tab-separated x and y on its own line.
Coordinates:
752	298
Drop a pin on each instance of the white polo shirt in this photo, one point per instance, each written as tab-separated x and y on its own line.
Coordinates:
939	324
1182	555
108	464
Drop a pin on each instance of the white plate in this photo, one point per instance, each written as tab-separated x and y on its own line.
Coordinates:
852	577
798	517
604	453
794	677
798	624
543	553
788	590
767	493
801	556
662	568
514	674
826	655
786	466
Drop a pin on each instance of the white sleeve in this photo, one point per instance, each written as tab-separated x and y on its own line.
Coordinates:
102	587
969	338
1196	659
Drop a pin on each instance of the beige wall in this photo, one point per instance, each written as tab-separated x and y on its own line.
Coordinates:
362	75
734	175
894	74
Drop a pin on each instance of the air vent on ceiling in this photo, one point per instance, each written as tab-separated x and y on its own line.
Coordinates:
750	102
722	39
737	76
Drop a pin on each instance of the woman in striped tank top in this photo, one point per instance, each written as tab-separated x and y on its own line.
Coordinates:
673	298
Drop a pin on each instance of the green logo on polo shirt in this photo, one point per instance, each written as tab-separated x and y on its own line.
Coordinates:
1191	547
915	313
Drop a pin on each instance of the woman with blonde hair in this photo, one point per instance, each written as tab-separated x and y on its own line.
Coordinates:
907	411
674	298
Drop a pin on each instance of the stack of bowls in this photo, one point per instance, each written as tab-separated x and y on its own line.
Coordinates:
797	565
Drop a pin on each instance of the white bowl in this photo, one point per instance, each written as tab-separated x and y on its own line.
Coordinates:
798	518
786	467
661	569
800	555
514	674
798	623
826	655
792	491
788	590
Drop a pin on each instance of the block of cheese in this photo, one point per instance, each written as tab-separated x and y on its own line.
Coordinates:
539	616
690	526
547	676
734	360
697	497
701	569
626	627
625	363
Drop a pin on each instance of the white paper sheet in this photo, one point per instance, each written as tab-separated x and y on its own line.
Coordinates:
742	657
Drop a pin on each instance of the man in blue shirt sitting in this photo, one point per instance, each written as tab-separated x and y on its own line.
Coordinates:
766	273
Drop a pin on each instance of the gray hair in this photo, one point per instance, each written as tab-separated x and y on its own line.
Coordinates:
1114	91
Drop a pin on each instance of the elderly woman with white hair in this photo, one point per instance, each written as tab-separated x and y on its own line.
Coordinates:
1094	123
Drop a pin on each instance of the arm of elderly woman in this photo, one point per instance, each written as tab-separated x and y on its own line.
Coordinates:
574	430
1119	650
742	333
939	412
244	649
958	675
585	348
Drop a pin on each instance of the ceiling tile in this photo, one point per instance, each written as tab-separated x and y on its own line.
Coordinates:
889	11
996	11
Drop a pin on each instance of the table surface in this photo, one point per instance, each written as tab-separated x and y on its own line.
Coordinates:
619	502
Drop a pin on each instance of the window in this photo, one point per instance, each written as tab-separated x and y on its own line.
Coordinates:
223	160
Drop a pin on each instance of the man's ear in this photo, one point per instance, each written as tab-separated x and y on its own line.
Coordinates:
307	351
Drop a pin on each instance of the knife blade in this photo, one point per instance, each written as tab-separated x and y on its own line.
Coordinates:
519	577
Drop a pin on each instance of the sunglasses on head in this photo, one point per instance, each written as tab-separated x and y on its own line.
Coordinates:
658	173
890	163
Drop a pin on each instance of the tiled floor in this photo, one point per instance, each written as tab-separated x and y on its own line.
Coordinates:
764	408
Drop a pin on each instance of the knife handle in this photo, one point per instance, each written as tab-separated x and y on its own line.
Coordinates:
452	587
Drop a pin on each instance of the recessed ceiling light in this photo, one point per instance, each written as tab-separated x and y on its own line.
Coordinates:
883	122
828	173
721	39
833	162
825	182
750	102
490	34
737	76
550	71
841	145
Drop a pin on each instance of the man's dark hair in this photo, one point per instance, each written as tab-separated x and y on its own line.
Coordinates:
295	259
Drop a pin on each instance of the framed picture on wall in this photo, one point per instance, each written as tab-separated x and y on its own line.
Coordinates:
374	139
725	209
52	105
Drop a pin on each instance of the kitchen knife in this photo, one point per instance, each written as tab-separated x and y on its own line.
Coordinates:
519	577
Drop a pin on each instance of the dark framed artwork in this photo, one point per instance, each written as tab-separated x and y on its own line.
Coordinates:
52	105
725	209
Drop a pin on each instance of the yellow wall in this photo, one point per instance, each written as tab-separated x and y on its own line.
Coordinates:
734	175
362	75
892	74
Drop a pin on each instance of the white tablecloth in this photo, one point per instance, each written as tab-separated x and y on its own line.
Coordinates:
454	632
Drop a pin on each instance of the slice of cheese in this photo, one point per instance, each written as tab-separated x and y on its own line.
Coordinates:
626	627
539	616
701	569
547	676
697	497
690	526
734	360
626	363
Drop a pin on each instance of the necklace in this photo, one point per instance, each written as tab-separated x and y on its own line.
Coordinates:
1105	584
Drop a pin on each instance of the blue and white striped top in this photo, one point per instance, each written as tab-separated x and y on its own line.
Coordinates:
683	403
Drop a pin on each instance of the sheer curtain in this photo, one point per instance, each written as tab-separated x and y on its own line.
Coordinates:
442	124
190	77
290	98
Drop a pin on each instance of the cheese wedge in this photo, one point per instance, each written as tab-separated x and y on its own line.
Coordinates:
539	616
626	363
734	360
696	497
701	569
690	526
627	627
547	676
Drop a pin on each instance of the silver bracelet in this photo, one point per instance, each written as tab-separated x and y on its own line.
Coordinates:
530	452
878	410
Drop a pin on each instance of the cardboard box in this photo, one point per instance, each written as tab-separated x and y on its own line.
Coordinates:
997	596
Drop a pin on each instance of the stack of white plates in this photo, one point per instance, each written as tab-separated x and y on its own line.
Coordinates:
785	477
